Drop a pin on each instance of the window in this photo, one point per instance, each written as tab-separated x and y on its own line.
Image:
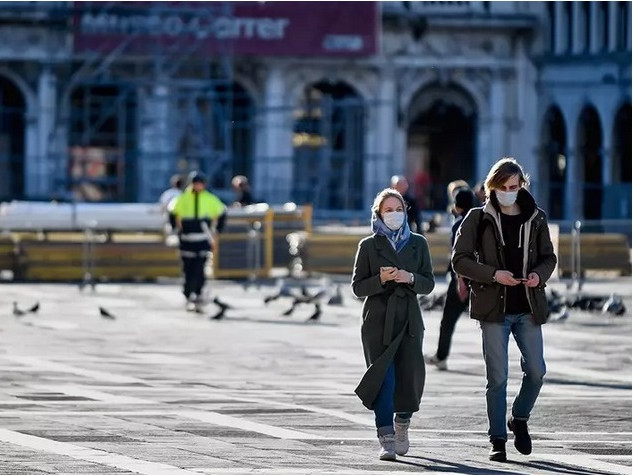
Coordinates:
551	16
623	26
603	25
569	25
585	24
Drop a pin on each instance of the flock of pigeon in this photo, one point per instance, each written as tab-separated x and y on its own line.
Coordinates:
559	305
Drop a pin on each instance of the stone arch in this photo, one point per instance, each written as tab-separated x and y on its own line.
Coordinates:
554	160
329	137
589	152
13	118
442	122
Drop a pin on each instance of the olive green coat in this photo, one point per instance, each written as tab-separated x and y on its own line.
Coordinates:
392	328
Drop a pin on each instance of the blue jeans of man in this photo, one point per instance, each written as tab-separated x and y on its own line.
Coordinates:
383	406
529	339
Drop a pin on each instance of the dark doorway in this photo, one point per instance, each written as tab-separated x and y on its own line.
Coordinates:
12	112
440	143
589	152
328	140
554	161
618	195
103	143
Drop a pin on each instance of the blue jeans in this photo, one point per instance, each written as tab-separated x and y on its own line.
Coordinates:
383	406
529	339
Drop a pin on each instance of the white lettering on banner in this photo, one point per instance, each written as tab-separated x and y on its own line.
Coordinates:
343	43
174	25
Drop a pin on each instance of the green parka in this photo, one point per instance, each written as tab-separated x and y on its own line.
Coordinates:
392	328
478	253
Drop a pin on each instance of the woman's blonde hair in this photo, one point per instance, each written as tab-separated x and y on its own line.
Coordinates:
501	171
383	195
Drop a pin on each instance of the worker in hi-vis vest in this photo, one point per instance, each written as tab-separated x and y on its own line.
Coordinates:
196	211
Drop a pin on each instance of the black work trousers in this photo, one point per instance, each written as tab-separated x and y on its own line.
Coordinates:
193	268
453	308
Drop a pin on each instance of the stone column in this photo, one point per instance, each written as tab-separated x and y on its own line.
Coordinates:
382	161
594	40
40	143
613	26
273	168
561	32
157	159
499	144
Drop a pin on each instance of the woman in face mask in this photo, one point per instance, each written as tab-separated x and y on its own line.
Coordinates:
392	267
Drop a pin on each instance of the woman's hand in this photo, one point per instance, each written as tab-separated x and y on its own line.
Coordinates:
387	274
403	276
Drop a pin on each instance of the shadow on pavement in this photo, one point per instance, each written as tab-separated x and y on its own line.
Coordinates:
279	322
591	384
453	467
553	467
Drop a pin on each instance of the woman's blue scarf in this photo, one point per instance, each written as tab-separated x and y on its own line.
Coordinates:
398	238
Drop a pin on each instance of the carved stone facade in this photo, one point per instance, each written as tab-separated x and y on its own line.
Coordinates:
489	66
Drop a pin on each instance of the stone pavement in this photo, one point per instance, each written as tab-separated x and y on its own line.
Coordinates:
160	391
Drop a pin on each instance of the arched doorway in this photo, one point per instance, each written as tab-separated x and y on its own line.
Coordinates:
440	142
620	201
12	112
216	134
328	146
589	152
103	143
554	161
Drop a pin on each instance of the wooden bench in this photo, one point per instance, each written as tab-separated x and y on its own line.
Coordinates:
335	252
64	261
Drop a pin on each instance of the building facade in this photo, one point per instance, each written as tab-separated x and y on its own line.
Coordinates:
104	102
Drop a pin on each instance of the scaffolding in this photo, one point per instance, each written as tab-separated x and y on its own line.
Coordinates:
132	112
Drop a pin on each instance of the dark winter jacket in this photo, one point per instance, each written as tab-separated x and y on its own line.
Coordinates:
478	257
392	327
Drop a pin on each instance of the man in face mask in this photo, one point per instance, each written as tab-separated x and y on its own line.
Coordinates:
506	251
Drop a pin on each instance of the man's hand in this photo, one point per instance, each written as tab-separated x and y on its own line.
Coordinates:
387	274
533	280
403	276
462	289
505	277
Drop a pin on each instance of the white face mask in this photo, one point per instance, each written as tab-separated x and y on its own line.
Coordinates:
394	219
506	198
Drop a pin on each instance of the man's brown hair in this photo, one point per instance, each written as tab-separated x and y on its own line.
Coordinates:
501	171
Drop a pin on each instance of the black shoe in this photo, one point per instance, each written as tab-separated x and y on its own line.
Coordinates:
522	440
498	451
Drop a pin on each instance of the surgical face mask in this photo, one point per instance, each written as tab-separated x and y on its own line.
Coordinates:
506	198
393	219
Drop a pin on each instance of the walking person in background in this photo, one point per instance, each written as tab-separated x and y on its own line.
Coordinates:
242	188
391	268
196	210
506	251
168	199
401	185
457	294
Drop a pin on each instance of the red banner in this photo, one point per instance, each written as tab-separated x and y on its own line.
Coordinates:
347	29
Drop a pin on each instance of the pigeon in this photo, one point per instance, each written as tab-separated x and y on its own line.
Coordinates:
337	298
316	315
222	305
17	311
614	305
34	308
105	314
219	315
284	291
